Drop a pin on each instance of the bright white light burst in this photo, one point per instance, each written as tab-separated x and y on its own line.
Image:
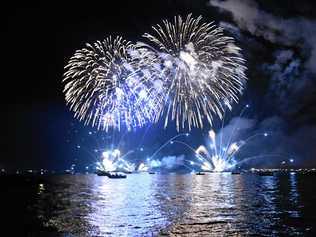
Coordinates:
202	70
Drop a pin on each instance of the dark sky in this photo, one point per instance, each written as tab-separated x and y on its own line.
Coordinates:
40	38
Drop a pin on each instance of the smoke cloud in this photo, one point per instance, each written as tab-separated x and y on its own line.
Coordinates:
168	162
298	32
292	74
280	144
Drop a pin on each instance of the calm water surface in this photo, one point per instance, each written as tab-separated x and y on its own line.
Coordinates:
162	205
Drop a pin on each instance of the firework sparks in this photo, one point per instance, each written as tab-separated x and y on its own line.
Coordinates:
143	168
108	87
202	70
113	161
191	72
220	156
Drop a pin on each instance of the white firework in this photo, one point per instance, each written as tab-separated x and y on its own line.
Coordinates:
108	87
202	70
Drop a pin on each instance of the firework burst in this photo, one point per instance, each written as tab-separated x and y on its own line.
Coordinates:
107	86
113	161
202	70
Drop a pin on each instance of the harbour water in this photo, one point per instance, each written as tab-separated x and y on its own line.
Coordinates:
215	204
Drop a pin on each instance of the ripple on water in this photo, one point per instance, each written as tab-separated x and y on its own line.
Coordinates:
185	205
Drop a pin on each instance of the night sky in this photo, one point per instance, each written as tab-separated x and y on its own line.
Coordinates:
278	40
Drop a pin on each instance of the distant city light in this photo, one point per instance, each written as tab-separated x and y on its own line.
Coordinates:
265	134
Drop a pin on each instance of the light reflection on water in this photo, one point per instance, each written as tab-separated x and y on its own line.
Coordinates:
217	204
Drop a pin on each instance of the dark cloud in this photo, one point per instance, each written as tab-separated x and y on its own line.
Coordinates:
296	31
287	81
280	144
298	143
290	71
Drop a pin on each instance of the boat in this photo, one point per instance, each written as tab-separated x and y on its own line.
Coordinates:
102	173
151	172
266	173
200	173
117	176
235	172
110	175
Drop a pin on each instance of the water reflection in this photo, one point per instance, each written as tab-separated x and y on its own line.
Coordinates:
218	204
293	195
123	207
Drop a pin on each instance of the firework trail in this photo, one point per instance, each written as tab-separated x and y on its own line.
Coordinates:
202	70
107	85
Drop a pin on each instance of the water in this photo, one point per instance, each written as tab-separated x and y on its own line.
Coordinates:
160	205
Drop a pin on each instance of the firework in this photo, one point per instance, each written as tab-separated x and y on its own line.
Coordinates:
142	168
202	70
107	85
113	161
220	155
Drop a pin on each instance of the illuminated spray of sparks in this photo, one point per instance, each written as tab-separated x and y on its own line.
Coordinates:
107	86
113	161
143	167
202	70
221	156
220	153
188	73
217	158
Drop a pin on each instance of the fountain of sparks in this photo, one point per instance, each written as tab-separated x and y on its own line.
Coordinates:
112	161
221	156
143	167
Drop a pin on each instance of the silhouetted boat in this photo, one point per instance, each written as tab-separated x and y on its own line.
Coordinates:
151	172
266	173
110	175
117	176
102	173
235	172
200	173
